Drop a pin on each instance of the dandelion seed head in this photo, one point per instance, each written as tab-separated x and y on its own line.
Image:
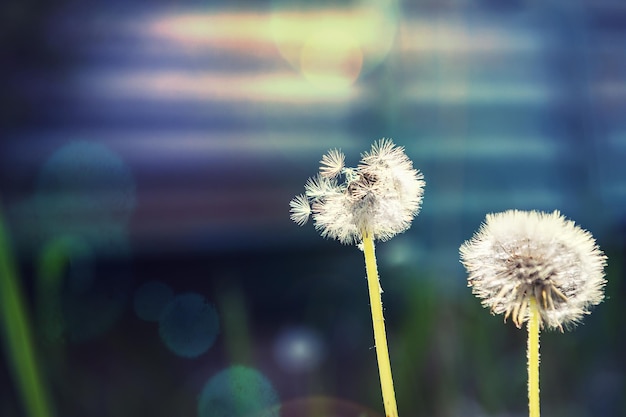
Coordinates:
381	195
516	255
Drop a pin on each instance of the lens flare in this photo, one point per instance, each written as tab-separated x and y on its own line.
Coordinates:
189	325
238	391
298	350
331	58
333	47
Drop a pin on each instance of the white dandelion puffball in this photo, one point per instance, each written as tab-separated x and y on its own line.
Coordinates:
517	255
379	197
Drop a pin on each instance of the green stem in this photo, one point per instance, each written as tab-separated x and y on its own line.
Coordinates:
380	337
20	351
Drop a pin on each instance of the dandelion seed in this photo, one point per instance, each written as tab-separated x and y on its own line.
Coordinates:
300	209
517	255
319	186
332	163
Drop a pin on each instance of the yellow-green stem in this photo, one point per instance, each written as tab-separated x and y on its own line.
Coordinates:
18	339
533	359
380	337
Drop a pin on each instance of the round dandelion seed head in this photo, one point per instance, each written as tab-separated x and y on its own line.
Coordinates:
380	196
516	255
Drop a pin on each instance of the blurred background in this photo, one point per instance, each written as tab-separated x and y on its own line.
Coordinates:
149	152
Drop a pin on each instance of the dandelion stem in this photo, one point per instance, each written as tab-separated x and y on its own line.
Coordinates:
533	359
380	337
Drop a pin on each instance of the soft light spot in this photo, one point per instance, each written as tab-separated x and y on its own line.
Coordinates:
331	58
238	391
83	190
189	325
335	44
298	350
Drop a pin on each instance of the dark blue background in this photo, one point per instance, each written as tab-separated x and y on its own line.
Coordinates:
170	136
